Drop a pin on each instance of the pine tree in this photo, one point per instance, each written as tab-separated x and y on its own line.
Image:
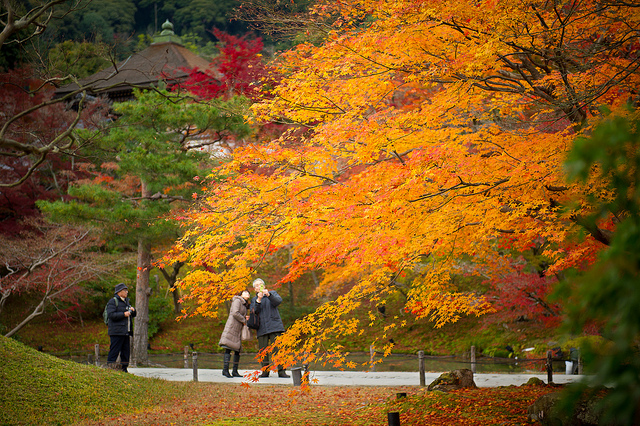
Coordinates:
149	165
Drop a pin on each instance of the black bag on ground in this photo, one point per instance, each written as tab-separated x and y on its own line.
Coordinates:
254	320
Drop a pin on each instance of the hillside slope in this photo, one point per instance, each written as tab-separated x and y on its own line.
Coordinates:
38	389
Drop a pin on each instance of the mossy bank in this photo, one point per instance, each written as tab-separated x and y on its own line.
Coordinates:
39	389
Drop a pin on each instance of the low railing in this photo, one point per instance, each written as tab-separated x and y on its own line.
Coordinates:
190	359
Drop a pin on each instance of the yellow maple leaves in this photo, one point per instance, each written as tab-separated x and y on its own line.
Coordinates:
428	132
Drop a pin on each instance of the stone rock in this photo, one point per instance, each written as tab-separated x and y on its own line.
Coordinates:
544	411
452	380
534	381
541	410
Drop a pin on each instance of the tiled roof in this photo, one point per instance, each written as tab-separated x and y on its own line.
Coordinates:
160	61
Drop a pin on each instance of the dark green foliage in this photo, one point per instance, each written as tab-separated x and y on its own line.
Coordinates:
160	310
289	315
146	146
96	20
94	26
200	16
79	59
200	46
13	55
609	294
122	20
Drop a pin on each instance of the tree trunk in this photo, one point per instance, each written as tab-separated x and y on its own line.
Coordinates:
4	295
171	280
177	295
141	328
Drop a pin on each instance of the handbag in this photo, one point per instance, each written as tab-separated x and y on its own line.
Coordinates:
246	333
254	320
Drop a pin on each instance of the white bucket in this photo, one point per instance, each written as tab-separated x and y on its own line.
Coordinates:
569	367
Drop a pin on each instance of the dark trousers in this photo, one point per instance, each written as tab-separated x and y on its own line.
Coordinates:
266	340
119	346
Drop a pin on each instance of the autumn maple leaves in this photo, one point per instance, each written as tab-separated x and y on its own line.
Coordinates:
422	136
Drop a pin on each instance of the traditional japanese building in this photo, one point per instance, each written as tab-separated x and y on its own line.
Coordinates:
166	59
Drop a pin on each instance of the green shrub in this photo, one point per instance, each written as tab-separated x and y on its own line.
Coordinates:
160	310
497	352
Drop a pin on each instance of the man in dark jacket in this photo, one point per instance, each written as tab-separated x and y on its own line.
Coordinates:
265	304
120	314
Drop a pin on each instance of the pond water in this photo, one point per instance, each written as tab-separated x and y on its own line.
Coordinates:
394	362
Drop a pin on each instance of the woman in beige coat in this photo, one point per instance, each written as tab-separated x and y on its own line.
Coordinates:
231	339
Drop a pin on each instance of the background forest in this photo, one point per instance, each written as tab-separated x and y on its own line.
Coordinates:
126	26
389	167
62	272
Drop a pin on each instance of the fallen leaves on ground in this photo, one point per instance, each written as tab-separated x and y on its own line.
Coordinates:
218	404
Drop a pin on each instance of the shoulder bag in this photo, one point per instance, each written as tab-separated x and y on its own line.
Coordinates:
254	320
246	333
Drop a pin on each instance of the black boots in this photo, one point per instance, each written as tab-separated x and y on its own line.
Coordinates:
265	370
281	373
117	367
236	361
225	365
227	361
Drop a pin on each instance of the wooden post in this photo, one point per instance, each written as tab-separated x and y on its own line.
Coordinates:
473	359
393	418
372	354
549	368
195	366
96	359
579	365
186	357
296	373
421	367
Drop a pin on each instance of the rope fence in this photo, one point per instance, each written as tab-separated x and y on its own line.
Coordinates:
190	359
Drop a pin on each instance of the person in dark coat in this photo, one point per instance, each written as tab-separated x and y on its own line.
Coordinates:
265	304
120	315
231	338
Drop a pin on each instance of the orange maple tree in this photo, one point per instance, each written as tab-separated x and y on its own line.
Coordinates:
427	132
